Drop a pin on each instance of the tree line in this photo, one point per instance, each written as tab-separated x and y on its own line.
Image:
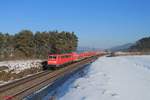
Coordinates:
142	45
28	44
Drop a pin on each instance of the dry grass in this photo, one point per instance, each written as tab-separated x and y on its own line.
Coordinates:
3	68
10	75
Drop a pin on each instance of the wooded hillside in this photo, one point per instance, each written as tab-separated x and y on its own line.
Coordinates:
142	45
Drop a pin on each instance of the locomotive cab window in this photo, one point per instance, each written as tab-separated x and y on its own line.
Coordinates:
52	57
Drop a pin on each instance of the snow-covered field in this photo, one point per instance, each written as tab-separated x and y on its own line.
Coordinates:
20	65
112	78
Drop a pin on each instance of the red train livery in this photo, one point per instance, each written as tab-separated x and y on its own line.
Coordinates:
56	60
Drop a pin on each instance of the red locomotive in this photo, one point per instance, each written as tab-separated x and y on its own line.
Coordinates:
56	60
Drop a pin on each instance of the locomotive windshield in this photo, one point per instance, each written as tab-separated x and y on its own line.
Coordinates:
52	57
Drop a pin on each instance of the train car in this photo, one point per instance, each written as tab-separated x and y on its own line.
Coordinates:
86	54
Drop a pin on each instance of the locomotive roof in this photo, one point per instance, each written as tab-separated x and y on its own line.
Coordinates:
60	54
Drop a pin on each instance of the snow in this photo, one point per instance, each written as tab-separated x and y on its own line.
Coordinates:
19	65
112	78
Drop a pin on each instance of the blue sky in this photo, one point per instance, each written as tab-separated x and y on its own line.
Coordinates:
97	23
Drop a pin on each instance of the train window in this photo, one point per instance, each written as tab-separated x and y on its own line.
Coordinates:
52	57
62	56
66	56
69	56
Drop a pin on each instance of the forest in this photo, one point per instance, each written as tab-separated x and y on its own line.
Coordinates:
36	45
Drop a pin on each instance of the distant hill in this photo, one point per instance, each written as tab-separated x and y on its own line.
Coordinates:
123	47
141	45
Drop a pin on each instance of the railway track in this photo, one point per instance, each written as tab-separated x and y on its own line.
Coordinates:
20	88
